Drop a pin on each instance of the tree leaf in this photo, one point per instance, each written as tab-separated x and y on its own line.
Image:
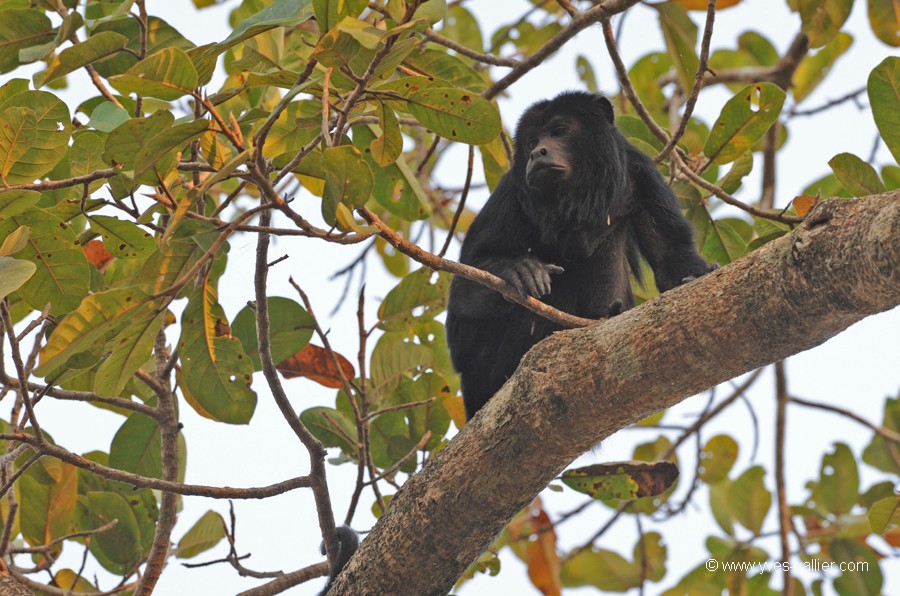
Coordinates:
168	74
13	202
717	458
124	239
315	363
46	507
750	500
119	548
822	19
216	370
14	273
856	176
131	348
136	447
291	329
62	275
680	34
388	146
414	291
884	94
745	118
838	481
884	17
814	67
348	180
395	186
21	28
51	138
329	13
455	114
95	47
18	130
622	480
203	535
99	314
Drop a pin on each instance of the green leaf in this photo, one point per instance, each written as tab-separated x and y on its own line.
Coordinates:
324	423
415	291
51	138
441	65
455	114
348	180
885	21
131	348
856	176
119	548
750	500
813	68
717	458
395	186
136	447
743	121
680	34
601	568
18	130
879	453
159	35
884	515
622	480
393	357
99	314
124	143
389	145
107	116
864	577
95	47
124	239
20	29
15	241
884	95
280	13
168	74
63	274
291	329
13	202
14	273
586	73
203	535
330	13
47	502
722	243
838	481
169	140
822	19
216	370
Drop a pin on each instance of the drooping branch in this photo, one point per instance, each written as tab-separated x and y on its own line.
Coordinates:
578	387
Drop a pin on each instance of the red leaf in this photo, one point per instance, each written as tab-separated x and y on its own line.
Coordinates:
97	255
315	363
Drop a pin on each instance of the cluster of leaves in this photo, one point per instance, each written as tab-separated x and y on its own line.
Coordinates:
346	101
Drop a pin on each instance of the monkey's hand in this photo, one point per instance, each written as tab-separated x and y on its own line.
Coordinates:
530	277
709	269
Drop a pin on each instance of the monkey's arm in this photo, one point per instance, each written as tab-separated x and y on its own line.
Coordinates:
664	235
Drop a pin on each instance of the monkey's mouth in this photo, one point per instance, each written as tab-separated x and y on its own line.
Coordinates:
542	174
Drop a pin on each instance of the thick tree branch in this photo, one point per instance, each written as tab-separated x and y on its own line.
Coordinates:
578	387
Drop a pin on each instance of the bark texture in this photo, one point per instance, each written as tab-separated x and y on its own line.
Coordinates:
578	387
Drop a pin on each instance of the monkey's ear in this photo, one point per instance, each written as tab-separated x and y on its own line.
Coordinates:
606	108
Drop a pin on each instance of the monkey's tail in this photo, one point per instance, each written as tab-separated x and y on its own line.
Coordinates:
348	542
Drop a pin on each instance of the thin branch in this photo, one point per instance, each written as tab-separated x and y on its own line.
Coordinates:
486	279
469	53
784	511
885	433
462	202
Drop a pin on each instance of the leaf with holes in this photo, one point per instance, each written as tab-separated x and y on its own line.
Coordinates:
744	120
822	19
455	114
216	370
62	276
124	239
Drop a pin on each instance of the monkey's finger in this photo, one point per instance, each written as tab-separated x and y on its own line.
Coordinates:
555	268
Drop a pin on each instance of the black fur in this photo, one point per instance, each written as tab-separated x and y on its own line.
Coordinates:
348	542
566	225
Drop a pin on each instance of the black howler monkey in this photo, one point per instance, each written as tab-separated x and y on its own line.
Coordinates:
566	225
348	542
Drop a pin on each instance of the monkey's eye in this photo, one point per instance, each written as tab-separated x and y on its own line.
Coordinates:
532	142
559	131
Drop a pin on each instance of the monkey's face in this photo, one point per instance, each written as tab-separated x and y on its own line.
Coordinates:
548	151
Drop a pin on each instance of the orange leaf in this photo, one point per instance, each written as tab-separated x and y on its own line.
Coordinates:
457	410
540	554
315	363
803	203
96	254
892	537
